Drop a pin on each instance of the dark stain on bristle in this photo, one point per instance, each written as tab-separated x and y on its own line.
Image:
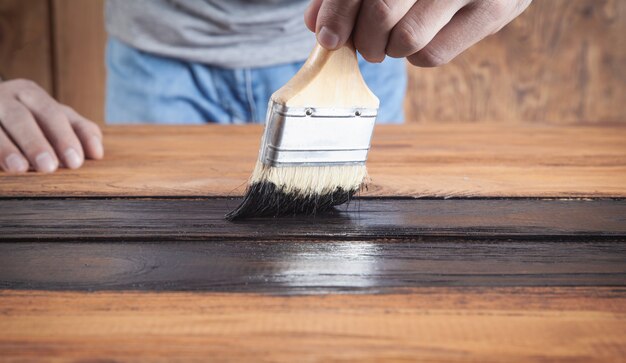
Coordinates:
267	200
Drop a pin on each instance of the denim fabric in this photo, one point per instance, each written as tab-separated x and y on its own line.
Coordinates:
145	88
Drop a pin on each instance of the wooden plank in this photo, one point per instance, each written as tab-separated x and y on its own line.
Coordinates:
482	160
203	219
80	38
309	267
429	325
25	50
562	62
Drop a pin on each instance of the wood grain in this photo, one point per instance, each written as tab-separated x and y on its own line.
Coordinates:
429	325
79	68
309	267
203	220
25	41
562	61
453	160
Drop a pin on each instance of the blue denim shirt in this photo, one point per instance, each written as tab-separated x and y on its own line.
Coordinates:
146	88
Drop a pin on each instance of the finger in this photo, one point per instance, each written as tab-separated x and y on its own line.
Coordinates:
375	21
310	15
88	133
469	26
55	125
420	25
20	125
335	22
11	159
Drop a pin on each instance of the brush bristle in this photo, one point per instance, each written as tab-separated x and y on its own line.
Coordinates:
295	190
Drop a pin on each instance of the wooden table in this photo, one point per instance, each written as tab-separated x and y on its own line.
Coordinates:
483	243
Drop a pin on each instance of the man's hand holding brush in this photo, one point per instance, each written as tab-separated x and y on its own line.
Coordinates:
428	33
313	174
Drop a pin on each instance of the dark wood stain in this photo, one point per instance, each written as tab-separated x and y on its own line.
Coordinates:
369	246
110	220
308	268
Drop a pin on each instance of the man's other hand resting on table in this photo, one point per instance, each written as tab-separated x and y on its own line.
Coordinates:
38	132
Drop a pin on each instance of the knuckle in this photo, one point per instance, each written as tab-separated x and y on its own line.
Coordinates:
67	109
337	12
25	94
21	83
15	87
380	11
494	10
54	115
14	113
405	38
52	111
406	35
88	127
57	117
430	57
34	95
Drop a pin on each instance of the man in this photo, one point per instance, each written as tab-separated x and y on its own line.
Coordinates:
196	61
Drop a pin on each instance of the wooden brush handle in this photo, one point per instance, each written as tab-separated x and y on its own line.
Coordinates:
328	79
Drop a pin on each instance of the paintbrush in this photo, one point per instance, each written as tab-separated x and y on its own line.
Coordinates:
316	140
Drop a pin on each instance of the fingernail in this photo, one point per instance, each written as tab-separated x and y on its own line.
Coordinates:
72	159
16	164
96	146
327	38
45	163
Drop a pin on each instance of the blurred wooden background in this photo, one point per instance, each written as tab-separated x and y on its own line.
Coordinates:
563	61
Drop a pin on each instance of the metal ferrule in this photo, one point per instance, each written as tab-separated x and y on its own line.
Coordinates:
316	136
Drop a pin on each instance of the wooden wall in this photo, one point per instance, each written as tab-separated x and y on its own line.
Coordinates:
79	40
25	42
563	61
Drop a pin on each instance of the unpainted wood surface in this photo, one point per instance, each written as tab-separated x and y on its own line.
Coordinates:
25	41
368	219
482	160
309	267
562	61
430	325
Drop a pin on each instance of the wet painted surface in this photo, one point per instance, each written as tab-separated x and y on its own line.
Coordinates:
308	268
170	220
